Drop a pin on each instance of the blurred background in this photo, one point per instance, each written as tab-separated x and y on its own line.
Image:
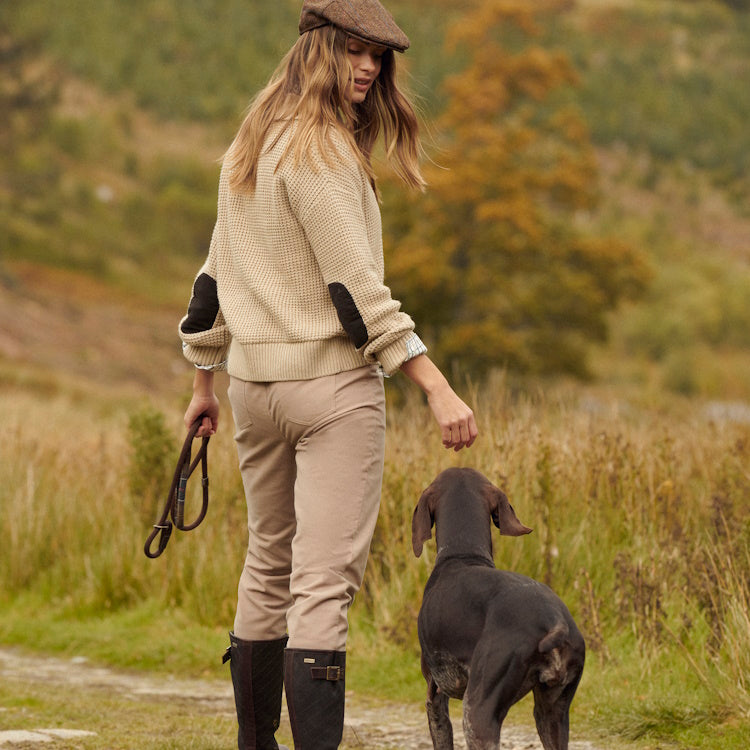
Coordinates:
588	214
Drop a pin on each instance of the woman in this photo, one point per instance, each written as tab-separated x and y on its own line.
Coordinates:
291	302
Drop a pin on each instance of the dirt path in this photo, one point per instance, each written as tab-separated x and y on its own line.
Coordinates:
369	723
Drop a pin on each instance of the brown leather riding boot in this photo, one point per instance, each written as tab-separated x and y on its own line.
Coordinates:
314	685
257	677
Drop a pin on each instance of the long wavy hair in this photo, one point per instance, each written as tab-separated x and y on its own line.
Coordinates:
312	88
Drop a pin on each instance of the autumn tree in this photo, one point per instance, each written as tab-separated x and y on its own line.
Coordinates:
490	259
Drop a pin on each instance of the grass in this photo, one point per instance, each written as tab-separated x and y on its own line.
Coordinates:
147	637
640	523
120	722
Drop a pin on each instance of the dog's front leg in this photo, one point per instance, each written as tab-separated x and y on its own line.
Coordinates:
438	717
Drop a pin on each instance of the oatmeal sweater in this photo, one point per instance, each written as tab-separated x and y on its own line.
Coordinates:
292	287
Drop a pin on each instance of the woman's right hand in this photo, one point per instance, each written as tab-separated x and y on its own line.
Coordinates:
458	427
204	403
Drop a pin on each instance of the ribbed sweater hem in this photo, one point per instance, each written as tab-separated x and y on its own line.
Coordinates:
304	360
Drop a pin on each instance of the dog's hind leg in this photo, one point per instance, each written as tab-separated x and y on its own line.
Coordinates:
495	683
551	714
438	717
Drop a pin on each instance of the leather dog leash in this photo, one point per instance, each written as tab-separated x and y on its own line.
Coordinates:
175	505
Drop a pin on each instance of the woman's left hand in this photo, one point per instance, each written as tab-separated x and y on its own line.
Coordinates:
204	404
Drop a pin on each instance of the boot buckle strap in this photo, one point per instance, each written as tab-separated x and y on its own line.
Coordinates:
331	673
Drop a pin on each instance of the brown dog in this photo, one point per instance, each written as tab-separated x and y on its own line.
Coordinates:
488	636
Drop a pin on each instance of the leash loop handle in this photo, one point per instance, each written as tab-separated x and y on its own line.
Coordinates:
175	504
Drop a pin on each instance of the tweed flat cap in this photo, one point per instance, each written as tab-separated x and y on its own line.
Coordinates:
365	19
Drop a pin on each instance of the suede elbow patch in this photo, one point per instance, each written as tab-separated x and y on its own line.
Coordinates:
349	315
203	307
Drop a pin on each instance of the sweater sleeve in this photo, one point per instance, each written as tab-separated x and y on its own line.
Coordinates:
329	201
204	332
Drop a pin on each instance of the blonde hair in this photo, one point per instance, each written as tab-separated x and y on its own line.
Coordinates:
312	88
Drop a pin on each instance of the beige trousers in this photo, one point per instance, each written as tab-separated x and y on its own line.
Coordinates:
311	457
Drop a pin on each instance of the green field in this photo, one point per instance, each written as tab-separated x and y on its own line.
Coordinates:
640	523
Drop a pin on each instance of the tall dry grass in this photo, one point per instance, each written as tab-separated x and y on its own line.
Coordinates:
74	530
640	515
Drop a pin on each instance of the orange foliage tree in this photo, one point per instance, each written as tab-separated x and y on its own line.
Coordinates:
490	261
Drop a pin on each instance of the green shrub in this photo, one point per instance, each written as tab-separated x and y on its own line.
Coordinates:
153	455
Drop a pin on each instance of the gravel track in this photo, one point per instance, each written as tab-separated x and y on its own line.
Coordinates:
369	723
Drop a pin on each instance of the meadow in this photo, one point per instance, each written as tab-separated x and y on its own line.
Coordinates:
640	520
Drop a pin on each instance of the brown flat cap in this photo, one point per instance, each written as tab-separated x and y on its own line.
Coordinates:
365	19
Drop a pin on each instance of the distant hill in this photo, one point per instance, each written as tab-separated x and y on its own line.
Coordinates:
113	176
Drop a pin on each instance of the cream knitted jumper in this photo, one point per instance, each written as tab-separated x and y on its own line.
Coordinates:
292	287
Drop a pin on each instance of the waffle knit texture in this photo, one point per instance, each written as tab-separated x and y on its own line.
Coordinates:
308	236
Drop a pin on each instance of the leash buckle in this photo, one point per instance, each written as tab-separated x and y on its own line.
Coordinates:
163	531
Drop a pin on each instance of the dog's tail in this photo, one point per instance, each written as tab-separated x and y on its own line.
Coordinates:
555	638
554	669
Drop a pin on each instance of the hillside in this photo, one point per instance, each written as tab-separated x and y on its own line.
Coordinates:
91	294
108	199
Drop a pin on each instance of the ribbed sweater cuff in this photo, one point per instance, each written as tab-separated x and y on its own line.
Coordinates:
206	358
394	355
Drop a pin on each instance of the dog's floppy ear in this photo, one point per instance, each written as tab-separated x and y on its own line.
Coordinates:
503	514
421	522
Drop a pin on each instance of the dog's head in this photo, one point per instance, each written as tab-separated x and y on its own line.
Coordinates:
466	482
